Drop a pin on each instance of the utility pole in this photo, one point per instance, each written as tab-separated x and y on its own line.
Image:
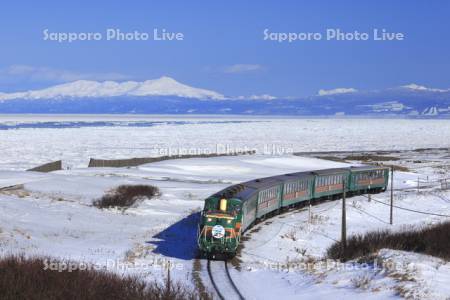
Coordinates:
392	194
309	216
309	212
418	184
344	221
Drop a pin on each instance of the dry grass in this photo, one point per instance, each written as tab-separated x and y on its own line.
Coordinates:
370	157
432	240
27	278
125	196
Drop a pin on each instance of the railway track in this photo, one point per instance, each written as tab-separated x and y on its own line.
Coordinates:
221	280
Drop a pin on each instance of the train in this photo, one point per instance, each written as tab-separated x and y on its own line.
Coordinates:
229	213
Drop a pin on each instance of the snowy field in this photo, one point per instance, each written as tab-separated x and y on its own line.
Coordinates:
52	214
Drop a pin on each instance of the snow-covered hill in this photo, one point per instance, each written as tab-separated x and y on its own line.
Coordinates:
164	86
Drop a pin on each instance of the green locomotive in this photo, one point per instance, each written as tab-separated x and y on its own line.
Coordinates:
230	212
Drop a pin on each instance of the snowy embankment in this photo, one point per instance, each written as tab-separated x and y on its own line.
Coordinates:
51	214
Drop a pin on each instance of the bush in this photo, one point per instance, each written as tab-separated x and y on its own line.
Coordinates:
126	195
433	240
26	278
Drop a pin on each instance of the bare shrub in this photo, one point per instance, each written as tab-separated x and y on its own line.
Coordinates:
317	219
361	282
433	240
291	234
126	195
27	278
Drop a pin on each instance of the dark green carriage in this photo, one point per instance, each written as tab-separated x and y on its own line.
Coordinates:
368	178
297	187
269	194
329	182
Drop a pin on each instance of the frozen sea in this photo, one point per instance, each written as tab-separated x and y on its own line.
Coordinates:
29	140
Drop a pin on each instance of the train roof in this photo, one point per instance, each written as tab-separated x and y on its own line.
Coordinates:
246	193
236	191
262	182
367	168
331	171
294	176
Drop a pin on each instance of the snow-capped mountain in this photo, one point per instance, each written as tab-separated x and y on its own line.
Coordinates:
164	86
167	96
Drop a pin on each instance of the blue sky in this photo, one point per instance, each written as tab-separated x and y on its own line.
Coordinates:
223	47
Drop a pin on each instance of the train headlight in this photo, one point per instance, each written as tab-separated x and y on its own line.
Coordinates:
209	219
229	221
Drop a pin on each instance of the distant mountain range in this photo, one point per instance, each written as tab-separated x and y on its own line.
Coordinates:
168	96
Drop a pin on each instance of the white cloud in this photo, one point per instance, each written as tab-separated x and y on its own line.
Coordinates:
336	91
243	68
46	74
417	87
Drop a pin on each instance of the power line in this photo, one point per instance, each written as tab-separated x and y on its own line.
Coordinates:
411	210
370	215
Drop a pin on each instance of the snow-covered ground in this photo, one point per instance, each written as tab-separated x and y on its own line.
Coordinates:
51	214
